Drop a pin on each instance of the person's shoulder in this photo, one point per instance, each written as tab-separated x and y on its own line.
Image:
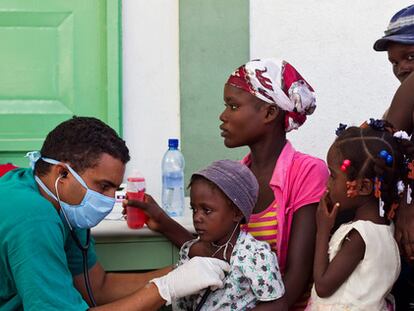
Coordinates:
303	159
21	201
192	249
304	164
253	252
253	245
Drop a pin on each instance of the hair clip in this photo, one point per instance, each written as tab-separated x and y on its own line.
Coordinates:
377	187
345	164
377	124
401	135
391	212
377	193
409	193
340	129
383	154
410	167
400	187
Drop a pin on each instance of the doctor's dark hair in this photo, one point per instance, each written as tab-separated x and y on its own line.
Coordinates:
80	142
362	146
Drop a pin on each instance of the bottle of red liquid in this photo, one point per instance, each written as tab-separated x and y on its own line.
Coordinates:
135	190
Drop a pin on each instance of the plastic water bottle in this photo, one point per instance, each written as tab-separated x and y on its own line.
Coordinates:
173	180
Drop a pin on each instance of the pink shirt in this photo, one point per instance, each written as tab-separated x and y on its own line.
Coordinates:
297	180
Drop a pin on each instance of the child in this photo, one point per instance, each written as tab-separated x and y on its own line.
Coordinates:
356	268
222	197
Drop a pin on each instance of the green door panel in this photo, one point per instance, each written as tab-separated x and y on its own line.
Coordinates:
145	253
58	58
214	41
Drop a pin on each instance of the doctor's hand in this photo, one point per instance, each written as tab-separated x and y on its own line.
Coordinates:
151	208
191	277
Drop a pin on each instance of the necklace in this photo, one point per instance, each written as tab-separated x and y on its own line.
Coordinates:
225	246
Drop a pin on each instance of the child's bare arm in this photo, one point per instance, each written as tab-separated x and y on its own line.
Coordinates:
401	112
274	305
329	276
159	221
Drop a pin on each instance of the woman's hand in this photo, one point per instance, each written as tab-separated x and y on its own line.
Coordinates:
155	213
326	214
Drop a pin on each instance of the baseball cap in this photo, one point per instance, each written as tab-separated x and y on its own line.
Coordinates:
400	29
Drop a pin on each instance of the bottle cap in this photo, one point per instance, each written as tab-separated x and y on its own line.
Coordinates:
173	143
136	176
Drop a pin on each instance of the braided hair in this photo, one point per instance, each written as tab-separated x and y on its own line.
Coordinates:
363	147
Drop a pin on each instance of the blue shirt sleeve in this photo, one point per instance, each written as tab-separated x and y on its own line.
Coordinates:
39	266
74	254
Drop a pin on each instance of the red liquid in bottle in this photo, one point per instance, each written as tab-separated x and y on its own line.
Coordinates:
136	218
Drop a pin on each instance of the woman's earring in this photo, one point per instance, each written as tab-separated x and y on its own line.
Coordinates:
351	189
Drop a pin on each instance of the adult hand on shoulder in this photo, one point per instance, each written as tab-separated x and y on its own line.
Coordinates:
191	277
404	228
151	208
326	214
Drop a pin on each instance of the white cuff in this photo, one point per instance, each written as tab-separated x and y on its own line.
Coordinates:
163	289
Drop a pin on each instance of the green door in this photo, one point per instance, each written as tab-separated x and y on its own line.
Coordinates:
58	58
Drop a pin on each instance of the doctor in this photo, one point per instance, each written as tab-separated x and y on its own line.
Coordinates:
47	258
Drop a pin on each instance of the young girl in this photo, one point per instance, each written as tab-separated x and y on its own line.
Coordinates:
222	197
356	267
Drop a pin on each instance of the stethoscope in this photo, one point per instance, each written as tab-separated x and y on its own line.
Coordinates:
84	249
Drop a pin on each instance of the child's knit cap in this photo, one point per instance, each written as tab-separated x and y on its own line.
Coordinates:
236	181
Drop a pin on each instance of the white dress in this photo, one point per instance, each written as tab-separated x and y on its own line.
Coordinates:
373	278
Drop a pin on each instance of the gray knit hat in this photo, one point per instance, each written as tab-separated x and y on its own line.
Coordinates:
236	181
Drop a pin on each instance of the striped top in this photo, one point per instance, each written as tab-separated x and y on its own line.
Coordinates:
263	226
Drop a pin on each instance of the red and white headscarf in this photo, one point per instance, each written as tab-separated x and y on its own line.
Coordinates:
277	82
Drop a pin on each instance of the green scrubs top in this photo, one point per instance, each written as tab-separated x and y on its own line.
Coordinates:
38	256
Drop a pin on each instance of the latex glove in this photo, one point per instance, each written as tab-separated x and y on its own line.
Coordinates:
191	277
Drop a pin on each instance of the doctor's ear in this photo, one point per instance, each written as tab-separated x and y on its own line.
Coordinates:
64	174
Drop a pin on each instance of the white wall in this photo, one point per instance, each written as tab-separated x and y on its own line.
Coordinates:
150	84
330	43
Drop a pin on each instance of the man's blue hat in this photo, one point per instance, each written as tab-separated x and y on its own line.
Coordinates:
400	30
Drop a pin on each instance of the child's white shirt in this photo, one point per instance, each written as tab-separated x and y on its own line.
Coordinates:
373	278
254	276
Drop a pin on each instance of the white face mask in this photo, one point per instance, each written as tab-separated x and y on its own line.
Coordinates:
87	214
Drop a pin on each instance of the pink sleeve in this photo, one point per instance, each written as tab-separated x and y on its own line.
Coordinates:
309	182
